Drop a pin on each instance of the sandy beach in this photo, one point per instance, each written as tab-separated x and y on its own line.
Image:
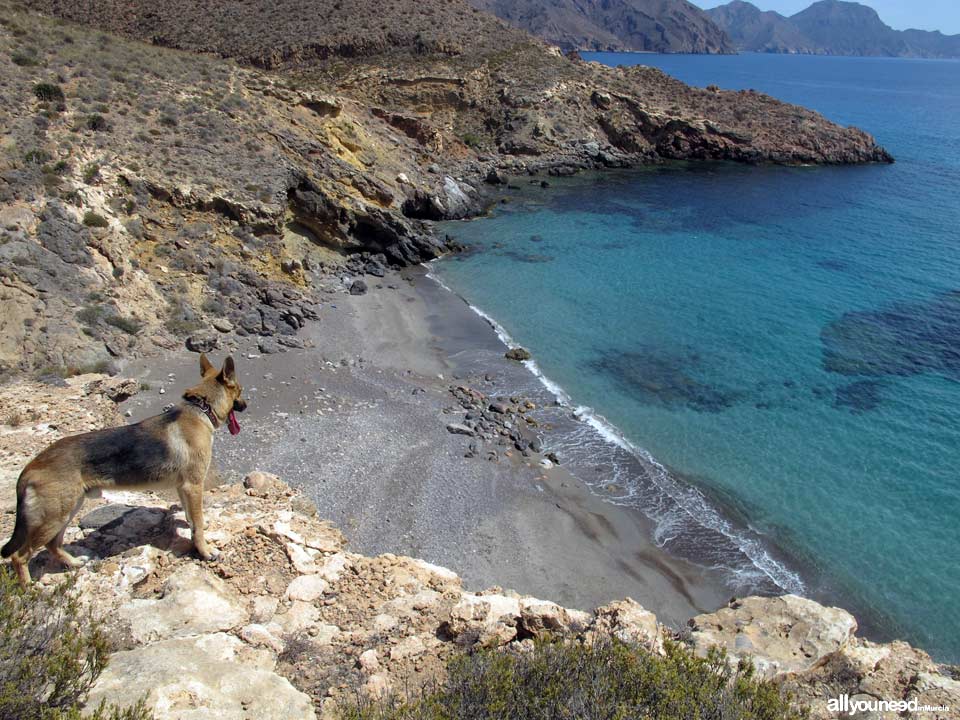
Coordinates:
359	422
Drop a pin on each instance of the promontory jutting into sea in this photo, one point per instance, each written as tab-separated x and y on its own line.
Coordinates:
578	359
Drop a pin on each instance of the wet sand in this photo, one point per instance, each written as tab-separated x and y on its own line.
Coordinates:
359	423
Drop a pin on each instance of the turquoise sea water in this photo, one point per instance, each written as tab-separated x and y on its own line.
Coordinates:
778	349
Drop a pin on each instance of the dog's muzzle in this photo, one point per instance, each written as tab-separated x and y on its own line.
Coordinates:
239	405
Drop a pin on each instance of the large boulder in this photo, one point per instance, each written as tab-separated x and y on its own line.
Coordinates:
628	621
201	677
486	620
782	634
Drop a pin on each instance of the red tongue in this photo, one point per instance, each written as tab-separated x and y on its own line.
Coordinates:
232	425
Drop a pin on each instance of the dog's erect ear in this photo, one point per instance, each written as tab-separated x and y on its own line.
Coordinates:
205	365
229	372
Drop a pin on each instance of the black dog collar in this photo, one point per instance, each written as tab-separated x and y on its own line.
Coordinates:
204	406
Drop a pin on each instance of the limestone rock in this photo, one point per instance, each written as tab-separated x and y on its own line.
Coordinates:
783	634
298	617
262	482
629	621
487	620
891	671
196	678
194	601
260	636
539	616
307	588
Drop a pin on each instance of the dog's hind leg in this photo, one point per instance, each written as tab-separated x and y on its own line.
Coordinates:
191	497
55	546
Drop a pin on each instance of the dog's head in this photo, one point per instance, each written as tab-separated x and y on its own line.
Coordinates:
219	391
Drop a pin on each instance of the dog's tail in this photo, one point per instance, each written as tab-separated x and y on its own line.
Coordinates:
19	536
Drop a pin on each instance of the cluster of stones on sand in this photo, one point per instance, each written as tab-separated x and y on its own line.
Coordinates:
497	425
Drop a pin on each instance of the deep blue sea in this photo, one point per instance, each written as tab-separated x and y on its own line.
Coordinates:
775	351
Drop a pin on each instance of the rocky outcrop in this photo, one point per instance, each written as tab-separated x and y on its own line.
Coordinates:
136	220
288	619
813	652
787	634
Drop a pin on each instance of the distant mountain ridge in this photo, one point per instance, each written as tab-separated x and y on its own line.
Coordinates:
615	25
828	27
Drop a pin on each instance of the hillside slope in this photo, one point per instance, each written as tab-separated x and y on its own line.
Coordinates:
617	25
828	27
151	194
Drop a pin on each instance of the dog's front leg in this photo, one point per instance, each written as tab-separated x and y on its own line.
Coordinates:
191	497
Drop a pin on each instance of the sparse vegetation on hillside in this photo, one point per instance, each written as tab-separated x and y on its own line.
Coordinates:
606	680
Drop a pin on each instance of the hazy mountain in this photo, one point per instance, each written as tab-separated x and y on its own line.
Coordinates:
828	27
641	25
751	28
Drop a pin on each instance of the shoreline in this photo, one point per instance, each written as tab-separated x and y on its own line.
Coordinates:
803	575
786	580
359	423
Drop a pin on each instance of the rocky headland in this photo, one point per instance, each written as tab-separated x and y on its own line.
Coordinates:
149	194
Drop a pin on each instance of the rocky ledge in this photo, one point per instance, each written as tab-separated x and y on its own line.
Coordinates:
287	622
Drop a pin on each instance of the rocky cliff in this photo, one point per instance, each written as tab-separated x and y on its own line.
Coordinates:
828	27
287	622
149	194
621	25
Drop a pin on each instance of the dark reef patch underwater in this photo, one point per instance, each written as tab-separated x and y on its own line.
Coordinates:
652	377
779	346
906	339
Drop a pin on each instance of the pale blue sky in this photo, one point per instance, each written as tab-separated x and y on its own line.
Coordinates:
943	15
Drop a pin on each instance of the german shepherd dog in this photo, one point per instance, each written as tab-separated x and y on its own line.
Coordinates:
168	450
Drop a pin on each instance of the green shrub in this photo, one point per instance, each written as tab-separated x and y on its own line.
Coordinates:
607	679
472	140
91	314
37	157
48	92
90	173
128	325
97	123
51	654
91	219
25	59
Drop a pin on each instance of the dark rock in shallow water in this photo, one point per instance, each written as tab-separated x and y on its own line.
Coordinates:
495	177
860	396
518	353
526	257
659	378
904	339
